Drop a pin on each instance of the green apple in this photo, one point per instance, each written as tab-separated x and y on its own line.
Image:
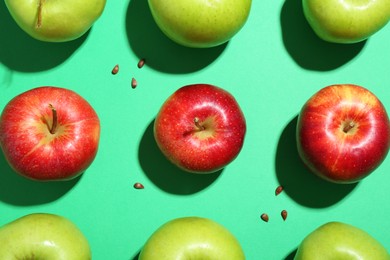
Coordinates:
200	23
54	20
337	240
346	21
43	236
192	238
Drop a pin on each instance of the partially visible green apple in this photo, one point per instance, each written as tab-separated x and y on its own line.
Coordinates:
55	21
346	21
192	238
43	236
200	23
337	240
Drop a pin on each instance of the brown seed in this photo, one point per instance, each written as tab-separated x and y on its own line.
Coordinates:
141	63
264	217
138	186
134	83
278	190
115	69
284	214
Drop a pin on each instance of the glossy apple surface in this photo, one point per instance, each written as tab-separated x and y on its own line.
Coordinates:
200	23
200	128
337	240
346	21
343	133
192	238
43	236
49	133
55	21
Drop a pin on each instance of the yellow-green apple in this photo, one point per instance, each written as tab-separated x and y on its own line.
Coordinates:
49	133
346	21
343	133
337	240
200	23
200	128
192	238
43	236
55	21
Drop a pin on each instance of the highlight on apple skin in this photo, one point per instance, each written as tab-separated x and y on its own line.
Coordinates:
43	236
200	128
346	22
343	133
55	21
200	23
192	238
49	133
338	240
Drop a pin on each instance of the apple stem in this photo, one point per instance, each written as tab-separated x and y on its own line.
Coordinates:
55	120
39	15
198	125
348	127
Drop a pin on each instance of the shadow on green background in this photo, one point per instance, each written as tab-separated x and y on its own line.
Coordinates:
147	41
20	191
299	183
306	48
166	175
20	52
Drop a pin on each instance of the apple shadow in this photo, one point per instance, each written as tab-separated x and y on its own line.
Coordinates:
298	181
21	52
291	255
147	41
164	174
306	48
20	191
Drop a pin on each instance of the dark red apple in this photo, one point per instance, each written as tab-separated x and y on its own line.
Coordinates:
49	133
200	128
343	133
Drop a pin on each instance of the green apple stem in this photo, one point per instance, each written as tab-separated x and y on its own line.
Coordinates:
198	125
348	126
39	15
55	120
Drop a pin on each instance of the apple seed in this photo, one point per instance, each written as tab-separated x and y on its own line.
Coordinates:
264	217
141	63
278	190
138	186
284	214
134	83
115	69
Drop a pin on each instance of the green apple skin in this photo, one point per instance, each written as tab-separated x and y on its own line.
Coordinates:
337	240
192	238
346	21
43	236
60	20
200	23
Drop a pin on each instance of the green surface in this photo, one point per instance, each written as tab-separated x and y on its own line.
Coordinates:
272	67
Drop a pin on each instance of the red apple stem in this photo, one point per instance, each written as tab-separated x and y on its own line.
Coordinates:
55	120
348	127
197	124
39	15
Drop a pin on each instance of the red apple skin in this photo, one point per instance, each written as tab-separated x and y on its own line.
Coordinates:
194	149
328	147
34	152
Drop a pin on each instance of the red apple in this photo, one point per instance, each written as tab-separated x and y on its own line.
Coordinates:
49	133
343	133
200	128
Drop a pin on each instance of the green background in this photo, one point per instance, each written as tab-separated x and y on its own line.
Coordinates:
272	66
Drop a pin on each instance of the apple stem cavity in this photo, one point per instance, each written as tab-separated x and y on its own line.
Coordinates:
39	14
198	125
348	126
55	120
